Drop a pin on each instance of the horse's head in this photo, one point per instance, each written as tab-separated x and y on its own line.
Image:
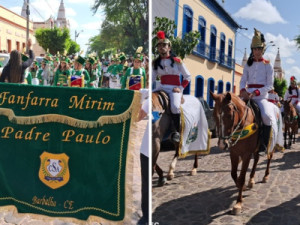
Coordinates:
289	110
228	112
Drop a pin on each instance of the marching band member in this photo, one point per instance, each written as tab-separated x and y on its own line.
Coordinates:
62	73
135	77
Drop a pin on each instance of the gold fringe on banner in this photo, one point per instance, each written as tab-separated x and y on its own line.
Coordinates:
132	154
47	118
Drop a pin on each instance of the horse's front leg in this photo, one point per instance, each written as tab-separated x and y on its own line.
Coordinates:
285	132
237	208
234	166
170	175
194	170
266	177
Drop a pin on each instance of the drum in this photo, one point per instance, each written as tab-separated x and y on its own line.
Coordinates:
134	82
76	81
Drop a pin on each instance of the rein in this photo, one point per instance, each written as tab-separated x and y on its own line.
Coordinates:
233	133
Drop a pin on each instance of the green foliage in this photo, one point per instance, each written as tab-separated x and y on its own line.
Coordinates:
297	39
280	86
125	26
55	39
72	47
181	47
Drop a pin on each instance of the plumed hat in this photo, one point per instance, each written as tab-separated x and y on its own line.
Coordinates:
162	38
258	40
138	53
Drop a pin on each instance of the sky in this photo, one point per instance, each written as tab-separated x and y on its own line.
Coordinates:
78	12
278	20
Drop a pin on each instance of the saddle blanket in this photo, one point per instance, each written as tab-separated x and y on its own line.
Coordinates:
276	131
195	135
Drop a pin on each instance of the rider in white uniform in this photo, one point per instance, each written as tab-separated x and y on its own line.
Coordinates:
293	93
256	82
168	68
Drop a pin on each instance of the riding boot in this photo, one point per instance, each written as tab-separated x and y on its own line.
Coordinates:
175	136
264	142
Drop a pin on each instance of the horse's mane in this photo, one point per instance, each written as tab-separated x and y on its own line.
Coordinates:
160	99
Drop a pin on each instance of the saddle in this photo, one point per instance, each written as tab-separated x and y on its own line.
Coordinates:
255	108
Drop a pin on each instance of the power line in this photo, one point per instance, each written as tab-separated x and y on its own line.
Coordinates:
37	12
50	7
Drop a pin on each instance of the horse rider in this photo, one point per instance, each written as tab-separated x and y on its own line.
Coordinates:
257	80
293	93
274	98
169	68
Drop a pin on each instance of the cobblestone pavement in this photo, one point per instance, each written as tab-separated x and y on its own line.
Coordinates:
207	198
8	218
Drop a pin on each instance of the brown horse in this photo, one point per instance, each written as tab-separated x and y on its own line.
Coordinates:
161	106
232	116
290	123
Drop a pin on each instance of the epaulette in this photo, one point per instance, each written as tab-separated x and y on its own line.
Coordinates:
266	61
178	60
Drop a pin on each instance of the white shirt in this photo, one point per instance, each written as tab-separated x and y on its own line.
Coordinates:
259	73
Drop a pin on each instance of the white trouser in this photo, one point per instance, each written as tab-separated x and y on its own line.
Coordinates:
175	98
297	106
266	111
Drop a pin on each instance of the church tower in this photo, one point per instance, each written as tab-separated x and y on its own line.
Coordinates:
278	71
245	58
23	13
61	16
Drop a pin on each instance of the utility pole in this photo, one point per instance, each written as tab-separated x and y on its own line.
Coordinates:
27	28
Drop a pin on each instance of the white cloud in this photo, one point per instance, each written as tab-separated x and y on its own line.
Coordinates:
73	23
260	10
42	10
16	9
92	25
290	61
286	46
293	71
70	12
90	2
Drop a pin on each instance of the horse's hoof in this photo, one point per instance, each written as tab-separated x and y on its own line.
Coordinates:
237	209
193	172
161	182
170	176
251	184
265	179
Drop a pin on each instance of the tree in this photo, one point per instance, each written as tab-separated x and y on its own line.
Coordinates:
125	26
181	47
280	86
72	47
297	39
55	39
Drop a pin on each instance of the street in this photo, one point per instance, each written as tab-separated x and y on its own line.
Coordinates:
207	198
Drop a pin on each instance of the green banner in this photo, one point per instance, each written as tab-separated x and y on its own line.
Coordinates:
63	150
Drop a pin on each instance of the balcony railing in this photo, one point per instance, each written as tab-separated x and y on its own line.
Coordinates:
214	55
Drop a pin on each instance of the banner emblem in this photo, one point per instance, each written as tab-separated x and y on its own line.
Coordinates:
54	169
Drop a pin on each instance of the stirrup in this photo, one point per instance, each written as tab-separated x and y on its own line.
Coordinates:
175	136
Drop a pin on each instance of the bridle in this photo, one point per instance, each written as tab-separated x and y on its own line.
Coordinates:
229	138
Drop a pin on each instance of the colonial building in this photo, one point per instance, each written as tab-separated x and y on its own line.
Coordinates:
13	31
212	64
